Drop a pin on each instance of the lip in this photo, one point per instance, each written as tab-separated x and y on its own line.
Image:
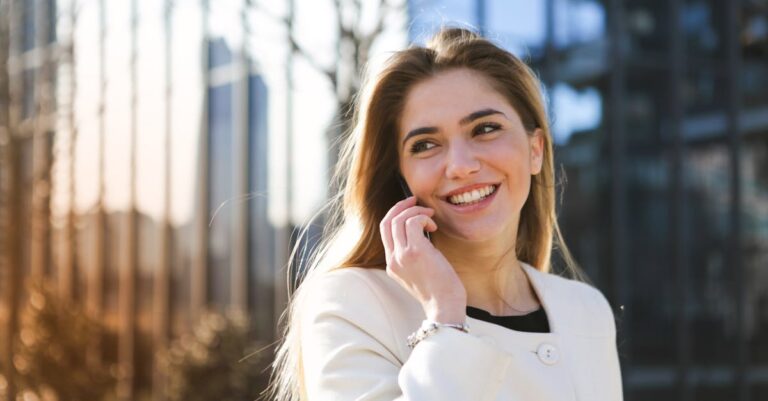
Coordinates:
468	188
475	206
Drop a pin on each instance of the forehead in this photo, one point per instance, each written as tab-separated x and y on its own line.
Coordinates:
447	97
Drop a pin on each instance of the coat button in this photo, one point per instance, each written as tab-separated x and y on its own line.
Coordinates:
548	353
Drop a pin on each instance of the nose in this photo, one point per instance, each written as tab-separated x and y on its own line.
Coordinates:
461	161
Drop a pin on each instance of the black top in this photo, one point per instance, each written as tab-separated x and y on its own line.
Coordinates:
535	322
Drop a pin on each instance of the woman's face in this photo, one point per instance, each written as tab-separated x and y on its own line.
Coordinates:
465	153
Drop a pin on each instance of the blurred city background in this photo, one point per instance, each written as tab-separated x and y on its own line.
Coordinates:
156	157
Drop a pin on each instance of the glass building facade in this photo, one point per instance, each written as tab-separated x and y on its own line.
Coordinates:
660	120
155	146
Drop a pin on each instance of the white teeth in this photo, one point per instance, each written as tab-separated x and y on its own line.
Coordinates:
472	196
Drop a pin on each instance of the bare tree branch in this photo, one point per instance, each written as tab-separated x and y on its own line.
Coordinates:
341	31
352	33
339	17
366	41
253	4
296	47
351	38
357	7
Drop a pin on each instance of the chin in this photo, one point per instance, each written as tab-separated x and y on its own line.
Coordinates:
476	234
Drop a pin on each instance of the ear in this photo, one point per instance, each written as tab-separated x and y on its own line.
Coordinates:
536	142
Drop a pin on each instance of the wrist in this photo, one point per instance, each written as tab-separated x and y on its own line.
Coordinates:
430	327
453	313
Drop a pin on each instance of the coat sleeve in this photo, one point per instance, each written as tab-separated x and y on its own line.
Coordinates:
614	382
349	349
615	389
612	385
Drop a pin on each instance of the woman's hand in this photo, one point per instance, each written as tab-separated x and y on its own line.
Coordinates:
418	266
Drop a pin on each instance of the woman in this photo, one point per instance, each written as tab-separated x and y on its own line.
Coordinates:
446	295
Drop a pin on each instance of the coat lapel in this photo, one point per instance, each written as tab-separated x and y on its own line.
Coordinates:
540	283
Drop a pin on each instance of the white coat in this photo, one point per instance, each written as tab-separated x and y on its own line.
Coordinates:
355	322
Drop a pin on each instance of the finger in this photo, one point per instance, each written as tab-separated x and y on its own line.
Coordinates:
399	238
386	239
399	207
385	227
415	226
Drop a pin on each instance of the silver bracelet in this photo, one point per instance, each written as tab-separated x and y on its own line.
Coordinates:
429	327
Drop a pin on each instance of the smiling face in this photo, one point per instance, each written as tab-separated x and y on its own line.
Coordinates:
463	151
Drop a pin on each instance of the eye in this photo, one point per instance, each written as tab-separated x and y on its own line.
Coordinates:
421	146
486	128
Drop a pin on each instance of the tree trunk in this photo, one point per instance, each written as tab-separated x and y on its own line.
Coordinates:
96	279
69	259
128	272
162	303
40	246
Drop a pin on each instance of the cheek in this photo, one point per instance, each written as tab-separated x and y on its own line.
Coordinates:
423	181
521	188
512	161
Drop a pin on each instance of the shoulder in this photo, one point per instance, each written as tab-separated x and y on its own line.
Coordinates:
349	284
344	287
366	297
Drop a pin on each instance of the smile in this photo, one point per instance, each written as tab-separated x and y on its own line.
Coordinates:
473	196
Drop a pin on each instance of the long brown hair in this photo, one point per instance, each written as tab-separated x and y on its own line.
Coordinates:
366	174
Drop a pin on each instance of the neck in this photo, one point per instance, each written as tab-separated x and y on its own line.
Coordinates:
492	276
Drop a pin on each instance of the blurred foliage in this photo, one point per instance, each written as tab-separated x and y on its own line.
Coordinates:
217	361
51	351
3	369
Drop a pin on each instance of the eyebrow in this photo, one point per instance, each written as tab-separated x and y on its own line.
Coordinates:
464	121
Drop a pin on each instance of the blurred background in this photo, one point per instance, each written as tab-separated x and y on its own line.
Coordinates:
156	157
